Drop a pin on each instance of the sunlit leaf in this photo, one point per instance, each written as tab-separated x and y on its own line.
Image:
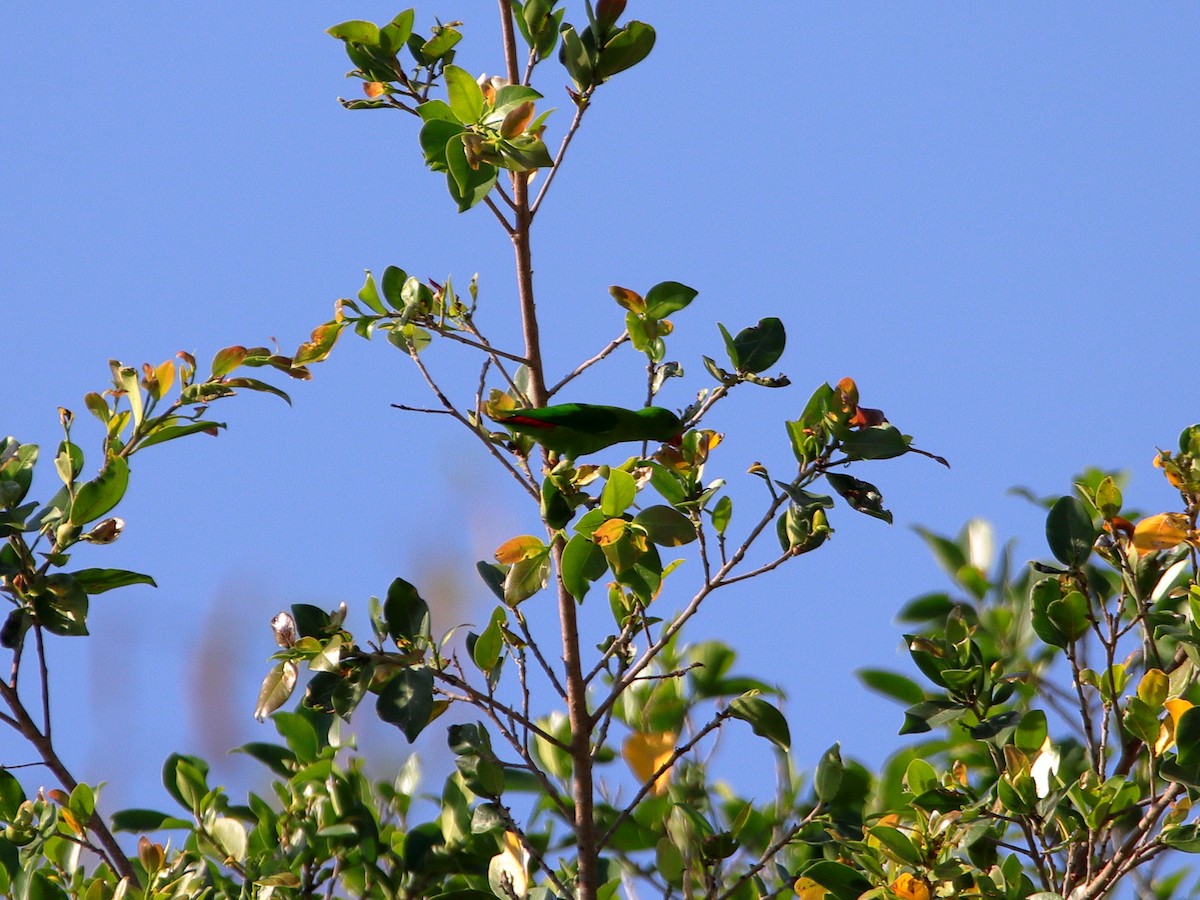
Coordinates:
646	753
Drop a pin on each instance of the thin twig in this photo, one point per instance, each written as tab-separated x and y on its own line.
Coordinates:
504	223
582	101
648	785
587	364
528	485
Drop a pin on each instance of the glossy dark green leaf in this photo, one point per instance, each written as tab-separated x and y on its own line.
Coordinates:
668	297
759	346
861	495
142	820
842	881
877	442
97	497
97	581
666	526
575	58
1187	737
406	701
625	49
764	719
394	278
435	136
406	613
891	684
163	433
1070	533
493	576
278	759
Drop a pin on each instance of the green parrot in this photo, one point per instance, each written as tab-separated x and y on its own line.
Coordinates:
573	429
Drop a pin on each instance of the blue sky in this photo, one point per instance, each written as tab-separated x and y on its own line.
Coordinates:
986	214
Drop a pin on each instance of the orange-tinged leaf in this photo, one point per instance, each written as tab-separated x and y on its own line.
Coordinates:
849	392
1160	532
609	532
910	887
227	360
645	754
516	549
517	118
373	88
630	300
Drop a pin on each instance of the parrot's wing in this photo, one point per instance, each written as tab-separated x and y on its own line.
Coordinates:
577	417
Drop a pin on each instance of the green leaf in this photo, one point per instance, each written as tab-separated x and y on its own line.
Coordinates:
526	577
1108	498
490	644
619	493
828	778
394	35
394	278
96	497
668	297
582	563
467	186
406	701
227	360
406	614
666	526
369	294
861	495
163	433
141	820
12	795
759	346
1070	532
1187	737
624	50
892	685
721	514
434	138
575	58
355	30
843	882
764	719
465	95
877	442
97	581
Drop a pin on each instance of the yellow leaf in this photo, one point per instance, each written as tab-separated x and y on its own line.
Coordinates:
164	374
516	549
1160	532
807	889
645	754
508	867
609	532
1166	732
910	887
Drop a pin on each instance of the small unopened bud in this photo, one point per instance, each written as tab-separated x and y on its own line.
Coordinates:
65	417
150	855
374	89
106	532
284	627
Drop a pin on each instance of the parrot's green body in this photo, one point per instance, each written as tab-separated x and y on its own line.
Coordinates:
574	429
